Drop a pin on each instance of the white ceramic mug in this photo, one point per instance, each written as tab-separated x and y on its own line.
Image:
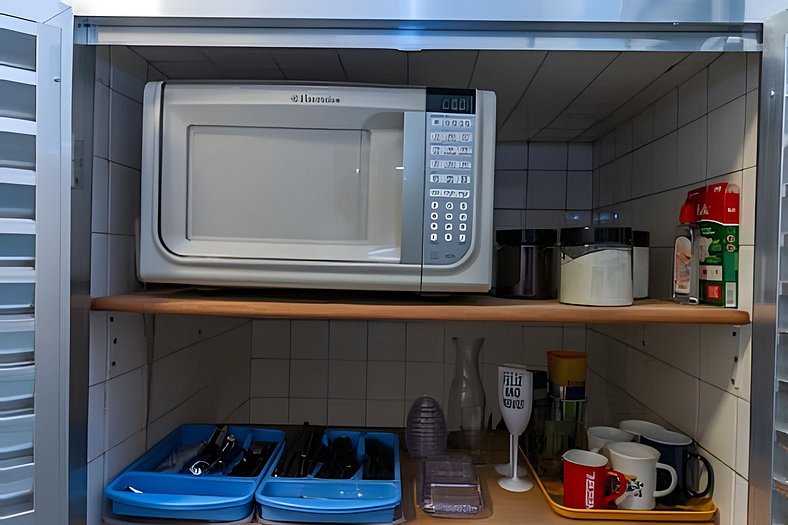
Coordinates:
639	464
639	427
598	437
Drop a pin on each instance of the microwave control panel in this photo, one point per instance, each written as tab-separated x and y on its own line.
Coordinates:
449	183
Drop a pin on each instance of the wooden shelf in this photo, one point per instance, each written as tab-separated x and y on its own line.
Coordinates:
362	305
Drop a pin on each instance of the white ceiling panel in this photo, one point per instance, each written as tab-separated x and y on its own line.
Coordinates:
245	62
309	64
190	70
556	135
508	74
375	66
561	77
449	69
543	96
677	75
627	75
169	53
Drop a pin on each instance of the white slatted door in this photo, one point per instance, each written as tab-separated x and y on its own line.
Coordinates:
17	263
31	295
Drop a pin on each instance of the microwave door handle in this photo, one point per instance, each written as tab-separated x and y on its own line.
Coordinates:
413	152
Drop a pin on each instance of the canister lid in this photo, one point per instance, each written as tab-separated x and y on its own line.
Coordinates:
596	234
640	238
538	237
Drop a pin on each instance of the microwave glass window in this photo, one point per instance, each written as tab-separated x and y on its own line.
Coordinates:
321	187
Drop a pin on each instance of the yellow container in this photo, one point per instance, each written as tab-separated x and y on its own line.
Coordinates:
567	373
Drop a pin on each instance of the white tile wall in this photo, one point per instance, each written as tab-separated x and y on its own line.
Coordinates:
546	190
691	153
312	410
717	423
727	79
99	264
581	156
348	340
101	120
423	379
666	114
270	378
309	378
578	190
696	378
347	412
271	338
693	96
273	411
548	156
98	348
128	72
124	198
425	341
96	421
126	347
175	332
643	128
125	138
95	491
510	189
125	406
726	138
750	153
511	156
347	379
385	380
386	341
309	339
100	196
385	413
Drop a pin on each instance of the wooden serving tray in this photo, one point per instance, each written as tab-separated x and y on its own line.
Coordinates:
697	510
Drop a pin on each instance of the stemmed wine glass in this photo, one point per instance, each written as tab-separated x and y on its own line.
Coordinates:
515	397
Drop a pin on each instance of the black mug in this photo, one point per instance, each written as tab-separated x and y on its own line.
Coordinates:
674	450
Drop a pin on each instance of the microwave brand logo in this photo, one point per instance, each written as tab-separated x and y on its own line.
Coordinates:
306	98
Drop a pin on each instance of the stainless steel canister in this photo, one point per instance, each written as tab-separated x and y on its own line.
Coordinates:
527	264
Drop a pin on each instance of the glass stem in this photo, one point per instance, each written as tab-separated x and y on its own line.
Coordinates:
513	453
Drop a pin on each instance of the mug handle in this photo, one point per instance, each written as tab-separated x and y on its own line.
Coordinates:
673	480
622	487
709	471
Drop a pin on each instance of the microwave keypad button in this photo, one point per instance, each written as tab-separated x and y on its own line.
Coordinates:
463	227
463	216
448	227
447	237
449	205
433	237
449	216
434	216
463	205
462	238
434	226
434	205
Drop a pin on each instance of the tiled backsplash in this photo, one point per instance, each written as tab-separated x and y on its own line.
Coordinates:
542	184
693	378
370	372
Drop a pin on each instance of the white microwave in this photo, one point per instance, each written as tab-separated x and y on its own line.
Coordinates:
317	186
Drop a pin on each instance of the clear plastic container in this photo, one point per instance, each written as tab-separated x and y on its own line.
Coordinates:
596	266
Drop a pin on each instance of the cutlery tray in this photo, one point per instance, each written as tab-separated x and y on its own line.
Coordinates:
356	499
141	491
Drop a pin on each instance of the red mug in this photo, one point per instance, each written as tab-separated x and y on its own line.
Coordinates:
585	479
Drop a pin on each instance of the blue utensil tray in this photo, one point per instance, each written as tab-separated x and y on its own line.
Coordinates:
141	491
316	500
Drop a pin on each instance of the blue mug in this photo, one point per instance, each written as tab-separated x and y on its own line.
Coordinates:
675	450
